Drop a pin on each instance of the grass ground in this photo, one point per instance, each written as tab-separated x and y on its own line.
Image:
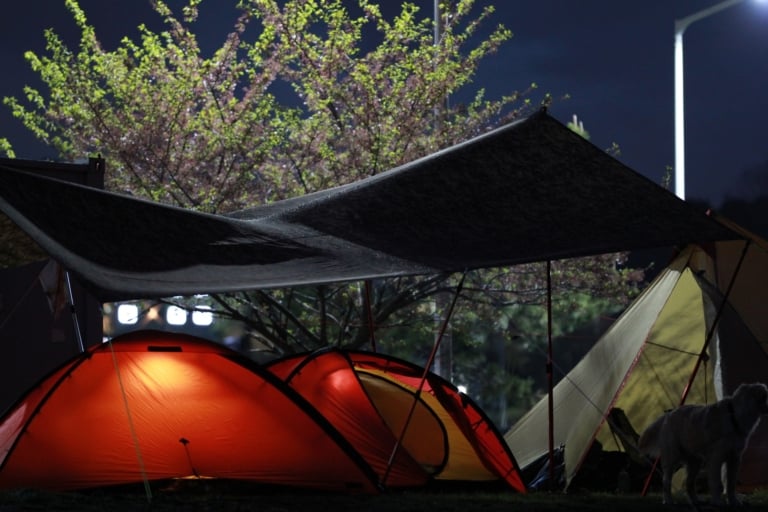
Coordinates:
215	500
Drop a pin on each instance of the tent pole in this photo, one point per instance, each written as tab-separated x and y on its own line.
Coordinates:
550	385
423	380
369	312
712	327
70	296
703	353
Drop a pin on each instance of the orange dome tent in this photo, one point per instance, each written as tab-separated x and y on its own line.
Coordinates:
154	406
368	397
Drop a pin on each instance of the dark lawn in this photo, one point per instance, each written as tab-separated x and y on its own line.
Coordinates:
216	498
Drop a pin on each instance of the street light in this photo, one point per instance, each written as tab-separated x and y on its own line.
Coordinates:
680	26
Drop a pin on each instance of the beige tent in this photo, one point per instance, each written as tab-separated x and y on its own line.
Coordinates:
679	341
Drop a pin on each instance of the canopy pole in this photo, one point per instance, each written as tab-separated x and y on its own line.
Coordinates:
73	311
369	312
703	354
550	384
715	321
423	380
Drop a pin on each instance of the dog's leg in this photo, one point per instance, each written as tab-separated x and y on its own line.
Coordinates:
667	471
666	482
731	474
692	468
715	481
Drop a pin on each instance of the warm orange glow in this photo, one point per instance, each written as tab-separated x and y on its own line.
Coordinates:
160	406
234	424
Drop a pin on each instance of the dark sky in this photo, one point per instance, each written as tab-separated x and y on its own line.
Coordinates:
613	58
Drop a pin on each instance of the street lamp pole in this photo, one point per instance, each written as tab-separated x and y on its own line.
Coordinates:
680	26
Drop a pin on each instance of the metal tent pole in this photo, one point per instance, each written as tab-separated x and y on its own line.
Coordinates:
423	380
73	311
715	321
369	310
550	380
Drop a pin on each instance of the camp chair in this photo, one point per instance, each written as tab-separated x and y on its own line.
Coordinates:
625	435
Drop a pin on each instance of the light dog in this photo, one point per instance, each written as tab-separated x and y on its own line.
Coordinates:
711	435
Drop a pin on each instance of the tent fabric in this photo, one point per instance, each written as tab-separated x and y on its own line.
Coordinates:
645	361
160	406
740	349
583	397
475	427
330	383
448	437
16	248
529	191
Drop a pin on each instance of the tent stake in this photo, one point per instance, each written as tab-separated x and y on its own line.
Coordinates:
423	380
185	442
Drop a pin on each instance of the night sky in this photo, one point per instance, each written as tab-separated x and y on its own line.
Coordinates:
614	59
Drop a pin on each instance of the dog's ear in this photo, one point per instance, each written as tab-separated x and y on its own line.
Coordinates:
760	394
764	390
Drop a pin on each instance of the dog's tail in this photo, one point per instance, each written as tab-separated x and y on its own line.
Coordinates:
649	439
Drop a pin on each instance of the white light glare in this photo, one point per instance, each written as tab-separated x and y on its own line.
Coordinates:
175	315
202	316
127	314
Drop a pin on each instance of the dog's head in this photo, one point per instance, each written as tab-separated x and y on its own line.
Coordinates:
754	395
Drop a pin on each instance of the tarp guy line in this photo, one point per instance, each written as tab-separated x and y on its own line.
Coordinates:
134	437
18	303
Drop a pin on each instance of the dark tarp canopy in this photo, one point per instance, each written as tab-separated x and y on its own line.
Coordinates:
529	191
